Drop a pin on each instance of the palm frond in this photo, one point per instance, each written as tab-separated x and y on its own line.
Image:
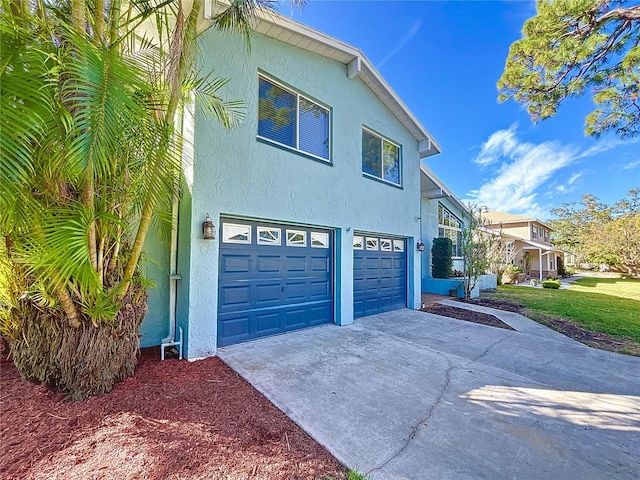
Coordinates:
56	248
100	87
240	15
206	89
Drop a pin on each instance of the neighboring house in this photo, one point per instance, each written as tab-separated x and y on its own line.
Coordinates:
529	243
316	198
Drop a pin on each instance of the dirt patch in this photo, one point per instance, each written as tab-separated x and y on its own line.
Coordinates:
499	304
466	315
171	420
566	327
592	339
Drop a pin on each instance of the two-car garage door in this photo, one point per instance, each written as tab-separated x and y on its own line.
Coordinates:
272	279
276	278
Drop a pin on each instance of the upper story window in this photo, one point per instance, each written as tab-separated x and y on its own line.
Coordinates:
291	120
534	232
450	227
380	157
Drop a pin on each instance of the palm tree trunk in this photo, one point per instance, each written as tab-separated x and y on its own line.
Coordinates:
69	307
176	81
78	11
98	21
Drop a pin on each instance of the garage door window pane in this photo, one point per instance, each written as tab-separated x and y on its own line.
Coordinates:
233	233
296	238
319	240
398	245
268	236
372	243
385	244
357	242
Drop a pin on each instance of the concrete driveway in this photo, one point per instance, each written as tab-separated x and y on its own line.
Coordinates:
411	395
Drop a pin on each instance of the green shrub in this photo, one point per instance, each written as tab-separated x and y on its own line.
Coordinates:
512	270
441	258
551	284
509	274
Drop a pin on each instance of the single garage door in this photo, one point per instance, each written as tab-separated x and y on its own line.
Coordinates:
379	274
272	279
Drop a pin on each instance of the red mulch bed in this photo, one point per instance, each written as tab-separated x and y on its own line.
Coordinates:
172	420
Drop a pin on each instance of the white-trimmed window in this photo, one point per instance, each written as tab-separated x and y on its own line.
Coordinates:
234	233
372	243
319	240
398	245
269	236
534	232
385	244
291	120
357	242
449	226
296	238
380	157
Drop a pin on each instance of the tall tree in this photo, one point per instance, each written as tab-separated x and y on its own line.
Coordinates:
90	159
573	47
599	233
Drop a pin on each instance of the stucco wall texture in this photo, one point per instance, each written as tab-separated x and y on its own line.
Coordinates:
236	175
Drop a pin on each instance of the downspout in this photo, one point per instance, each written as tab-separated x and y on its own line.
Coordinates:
170	340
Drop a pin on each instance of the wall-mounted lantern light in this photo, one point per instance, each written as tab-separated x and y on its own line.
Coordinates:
208	229
420	246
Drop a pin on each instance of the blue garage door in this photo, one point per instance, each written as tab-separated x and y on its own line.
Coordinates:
379	274
272	279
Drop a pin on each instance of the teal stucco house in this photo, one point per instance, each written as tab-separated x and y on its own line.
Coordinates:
320	200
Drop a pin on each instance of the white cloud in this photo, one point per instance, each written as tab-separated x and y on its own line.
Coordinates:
574	177
630	165
569	186
415	28
520	168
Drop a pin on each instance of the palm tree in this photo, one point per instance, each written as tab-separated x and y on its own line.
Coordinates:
89	160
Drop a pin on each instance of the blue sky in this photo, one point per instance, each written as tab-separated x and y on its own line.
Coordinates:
444	58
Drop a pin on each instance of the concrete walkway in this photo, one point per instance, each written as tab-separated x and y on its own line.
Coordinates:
411	395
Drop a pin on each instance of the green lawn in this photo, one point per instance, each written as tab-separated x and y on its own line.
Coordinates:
607	305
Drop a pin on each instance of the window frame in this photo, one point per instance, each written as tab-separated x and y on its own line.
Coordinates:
248	241
261	241
326	237
383	139
290	243
298	95
444	226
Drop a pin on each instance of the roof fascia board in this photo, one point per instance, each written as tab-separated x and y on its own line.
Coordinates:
447	193
354	68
